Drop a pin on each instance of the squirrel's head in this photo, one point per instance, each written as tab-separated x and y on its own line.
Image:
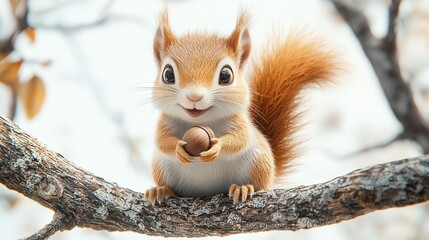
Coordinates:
200	75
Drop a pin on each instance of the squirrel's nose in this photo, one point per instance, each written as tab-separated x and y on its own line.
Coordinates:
194	97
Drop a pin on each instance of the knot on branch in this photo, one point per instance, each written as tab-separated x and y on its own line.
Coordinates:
47	187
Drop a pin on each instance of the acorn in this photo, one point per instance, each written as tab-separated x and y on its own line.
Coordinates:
198	139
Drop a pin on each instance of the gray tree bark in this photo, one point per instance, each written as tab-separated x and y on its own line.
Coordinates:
80	199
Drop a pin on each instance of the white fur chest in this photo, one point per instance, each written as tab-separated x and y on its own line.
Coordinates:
205	179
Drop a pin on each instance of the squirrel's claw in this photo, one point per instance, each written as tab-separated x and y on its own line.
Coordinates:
238	193
181	154
158	194
213	152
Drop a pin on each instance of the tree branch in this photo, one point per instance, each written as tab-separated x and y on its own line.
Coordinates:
22	21
85	200
13	104
104	17
382	54
59	222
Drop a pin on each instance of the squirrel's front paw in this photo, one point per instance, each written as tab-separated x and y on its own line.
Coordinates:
181	154
238	193
158	194
213	152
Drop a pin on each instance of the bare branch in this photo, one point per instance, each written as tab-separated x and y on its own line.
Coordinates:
383	56
22	25
13	104
104	16
59	222
391	30
28	167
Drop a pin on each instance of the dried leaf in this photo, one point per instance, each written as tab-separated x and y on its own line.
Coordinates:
9	72
32	95
31	33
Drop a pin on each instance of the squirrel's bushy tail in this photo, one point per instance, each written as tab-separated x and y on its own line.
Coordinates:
277	80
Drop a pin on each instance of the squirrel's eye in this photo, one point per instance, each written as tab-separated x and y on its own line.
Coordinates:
168	75
226	76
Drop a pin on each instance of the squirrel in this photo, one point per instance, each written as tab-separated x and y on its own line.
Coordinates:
201	82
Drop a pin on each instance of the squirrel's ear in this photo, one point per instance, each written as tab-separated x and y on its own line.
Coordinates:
239	40
164	37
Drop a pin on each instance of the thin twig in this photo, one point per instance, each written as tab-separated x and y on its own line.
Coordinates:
13	104
59	223
22	25
104	17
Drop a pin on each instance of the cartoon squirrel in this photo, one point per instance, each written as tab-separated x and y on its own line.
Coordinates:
201	82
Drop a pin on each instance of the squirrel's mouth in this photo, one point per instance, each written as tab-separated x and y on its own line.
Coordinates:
195	112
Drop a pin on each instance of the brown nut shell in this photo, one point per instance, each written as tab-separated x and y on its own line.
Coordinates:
198	139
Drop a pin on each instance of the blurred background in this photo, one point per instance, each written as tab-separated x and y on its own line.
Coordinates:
71	70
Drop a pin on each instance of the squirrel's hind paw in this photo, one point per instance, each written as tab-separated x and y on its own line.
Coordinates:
238	193
158	194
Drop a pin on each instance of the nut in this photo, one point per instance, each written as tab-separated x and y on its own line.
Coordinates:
198	139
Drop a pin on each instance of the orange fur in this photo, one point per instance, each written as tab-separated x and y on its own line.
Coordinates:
277	81
165	140
263	169
157	174
201	52
197	56
237	138
164	37
239	40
